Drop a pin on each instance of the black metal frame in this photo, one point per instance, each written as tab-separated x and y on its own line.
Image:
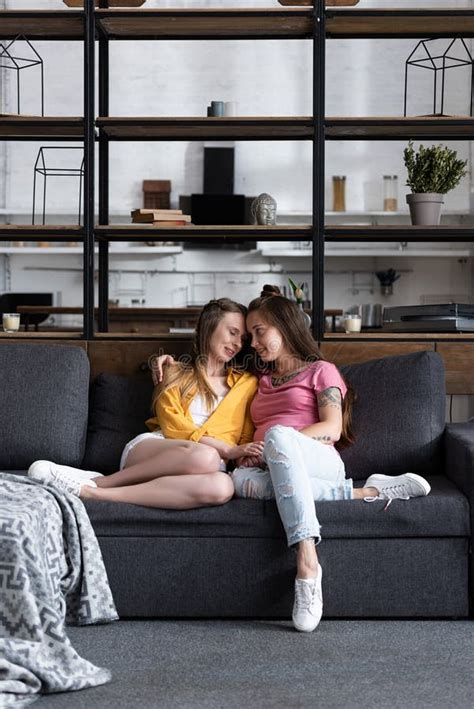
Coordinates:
320	133
103	279
89	161
318	141
319	84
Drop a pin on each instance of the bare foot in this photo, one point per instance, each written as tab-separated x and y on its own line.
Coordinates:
88	492
359	493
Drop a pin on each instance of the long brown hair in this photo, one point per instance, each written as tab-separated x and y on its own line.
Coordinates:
288	318
190	373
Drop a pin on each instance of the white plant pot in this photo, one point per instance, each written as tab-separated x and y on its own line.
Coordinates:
425	209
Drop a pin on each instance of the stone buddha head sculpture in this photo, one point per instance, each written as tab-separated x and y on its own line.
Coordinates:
264	209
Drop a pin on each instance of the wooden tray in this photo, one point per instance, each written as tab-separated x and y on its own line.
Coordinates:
329	3
112	3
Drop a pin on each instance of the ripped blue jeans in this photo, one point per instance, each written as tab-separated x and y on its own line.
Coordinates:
300	472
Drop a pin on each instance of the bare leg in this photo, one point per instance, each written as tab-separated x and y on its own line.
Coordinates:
306	560
152	459
180	492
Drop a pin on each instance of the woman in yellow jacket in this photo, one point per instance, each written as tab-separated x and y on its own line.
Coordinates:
201	422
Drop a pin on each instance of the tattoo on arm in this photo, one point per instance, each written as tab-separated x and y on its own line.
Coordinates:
330	397
325	439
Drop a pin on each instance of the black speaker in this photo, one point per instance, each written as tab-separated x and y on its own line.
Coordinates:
219	171
218	209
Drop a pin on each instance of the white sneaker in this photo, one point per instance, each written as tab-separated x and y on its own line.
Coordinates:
61	476
308	605
397	487
42	468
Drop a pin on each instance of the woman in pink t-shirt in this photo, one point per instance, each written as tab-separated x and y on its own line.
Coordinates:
301	410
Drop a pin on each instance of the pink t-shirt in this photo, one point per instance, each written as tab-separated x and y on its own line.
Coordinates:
293	403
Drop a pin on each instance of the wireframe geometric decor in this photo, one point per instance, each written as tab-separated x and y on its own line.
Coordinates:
9	59
438	56
46	166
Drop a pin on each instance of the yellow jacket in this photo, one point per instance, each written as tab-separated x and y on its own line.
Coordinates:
230	421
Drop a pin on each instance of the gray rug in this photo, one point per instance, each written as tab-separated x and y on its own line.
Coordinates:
227	664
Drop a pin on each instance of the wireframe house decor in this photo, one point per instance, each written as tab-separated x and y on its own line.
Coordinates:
10	59
439	55
46	167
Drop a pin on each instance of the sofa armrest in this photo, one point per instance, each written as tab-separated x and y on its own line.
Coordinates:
459	457
459	468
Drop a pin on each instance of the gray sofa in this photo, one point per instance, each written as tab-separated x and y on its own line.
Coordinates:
232	561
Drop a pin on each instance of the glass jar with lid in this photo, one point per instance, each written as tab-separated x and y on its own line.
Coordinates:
339	193
390	193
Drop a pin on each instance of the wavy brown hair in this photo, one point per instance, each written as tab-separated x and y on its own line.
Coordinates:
189	374
289	320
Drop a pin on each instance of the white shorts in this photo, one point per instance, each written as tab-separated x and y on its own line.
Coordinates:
138	439
157	435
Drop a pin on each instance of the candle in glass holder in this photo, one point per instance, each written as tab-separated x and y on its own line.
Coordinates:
11	322
390	193
351	322
339	193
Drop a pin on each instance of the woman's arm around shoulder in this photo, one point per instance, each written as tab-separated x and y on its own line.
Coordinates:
157	363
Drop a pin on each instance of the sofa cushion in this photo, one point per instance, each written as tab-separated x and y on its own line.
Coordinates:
443	513
44	404
119	407
398	417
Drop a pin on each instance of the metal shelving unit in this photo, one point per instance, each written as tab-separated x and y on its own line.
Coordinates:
198	24
317	24
54	26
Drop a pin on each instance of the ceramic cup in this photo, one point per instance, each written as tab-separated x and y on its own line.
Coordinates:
217	108
230	108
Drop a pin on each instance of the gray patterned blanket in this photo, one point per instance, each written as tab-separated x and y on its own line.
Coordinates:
51	572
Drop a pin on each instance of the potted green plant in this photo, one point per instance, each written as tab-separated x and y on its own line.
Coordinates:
432	172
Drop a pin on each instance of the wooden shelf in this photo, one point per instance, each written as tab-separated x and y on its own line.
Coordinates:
207	23
398	128
282	232
166	336
203	128
238	23
47	232
399	23
56	335
397	336
42	24
286	128
391	232
329	3
41	128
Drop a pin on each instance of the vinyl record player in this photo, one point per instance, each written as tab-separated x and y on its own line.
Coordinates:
446	317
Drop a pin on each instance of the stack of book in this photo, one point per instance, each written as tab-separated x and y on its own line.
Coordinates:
160	217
